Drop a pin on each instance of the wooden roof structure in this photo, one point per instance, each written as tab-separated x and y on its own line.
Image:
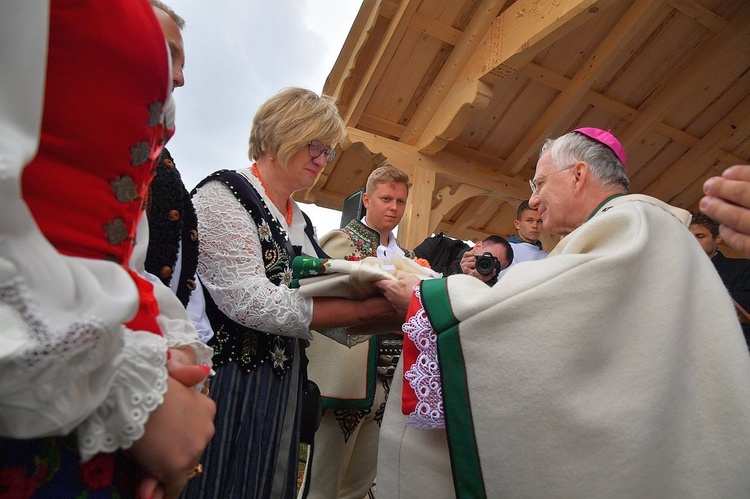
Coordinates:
461	94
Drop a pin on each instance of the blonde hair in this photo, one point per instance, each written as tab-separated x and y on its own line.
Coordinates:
386	174
290	120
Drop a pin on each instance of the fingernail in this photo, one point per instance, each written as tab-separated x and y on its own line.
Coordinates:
703	204
169	356
707	185
206	369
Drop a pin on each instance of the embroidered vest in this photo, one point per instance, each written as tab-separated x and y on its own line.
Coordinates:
387	346
234	342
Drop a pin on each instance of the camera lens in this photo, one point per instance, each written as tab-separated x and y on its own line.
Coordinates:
486	263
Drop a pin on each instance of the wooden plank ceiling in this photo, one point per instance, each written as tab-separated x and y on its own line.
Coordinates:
462	93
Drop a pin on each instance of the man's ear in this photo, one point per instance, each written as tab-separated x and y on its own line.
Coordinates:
517	224
366	201
581	173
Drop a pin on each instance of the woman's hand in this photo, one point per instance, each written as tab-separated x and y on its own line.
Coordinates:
399	291
727	201
176	434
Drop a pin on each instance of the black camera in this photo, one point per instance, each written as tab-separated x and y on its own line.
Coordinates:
486	263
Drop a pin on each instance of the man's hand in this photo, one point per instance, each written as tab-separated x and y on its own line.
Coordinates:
399	291
727	201
469	267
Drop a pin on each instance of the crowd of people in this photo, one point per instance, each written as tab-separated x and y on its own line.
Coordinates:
153	345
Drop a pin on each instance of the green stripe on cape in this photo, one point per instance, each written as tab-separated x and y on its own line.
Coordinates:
462	443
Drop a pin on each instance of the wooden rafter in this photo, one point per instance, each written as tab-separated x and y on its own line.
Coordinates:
447	200
627	113
347	58
443	84
449	165
676	179
474	212
609	50
397	26
702	64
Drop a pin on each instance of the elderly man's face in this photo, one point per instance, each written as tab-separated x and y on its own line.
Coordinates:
555	194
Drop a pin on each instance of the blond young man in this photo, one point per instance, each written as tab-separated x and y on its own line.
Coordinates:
355	381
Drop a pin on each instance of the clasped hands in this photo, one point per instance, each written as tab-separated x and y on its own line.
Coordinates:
178	430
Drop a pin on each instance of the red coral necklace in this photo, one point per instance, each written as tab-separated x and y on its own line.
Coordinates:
288	217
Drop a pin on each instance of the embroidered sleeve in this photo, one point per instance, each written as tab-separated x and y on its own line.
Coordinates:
87	372
231	268
337	244
422	374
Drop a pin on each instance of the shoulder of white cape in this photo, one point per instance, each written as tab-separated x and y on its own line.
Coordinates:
682	215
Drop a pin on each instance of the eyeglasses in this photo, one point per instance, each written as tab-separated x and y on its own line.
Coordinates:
536	184
315	149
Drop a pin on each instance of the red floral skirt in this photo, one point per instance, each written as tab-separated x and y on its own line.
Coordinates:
52	468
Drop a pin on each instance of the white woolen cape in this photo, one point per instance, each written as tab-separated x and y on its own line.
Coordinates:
615	367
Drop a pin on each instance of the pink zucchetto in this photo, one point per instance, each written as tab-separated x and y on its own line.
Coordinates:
606	138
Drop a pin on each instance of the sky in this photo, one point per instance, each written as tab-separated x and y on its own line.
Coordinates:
238	54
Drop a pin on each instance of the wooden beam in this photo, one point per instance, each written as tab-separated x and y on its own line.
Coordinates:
345	62
453	115
397	26
447	200
678	176
446	164
627	113
468	233
381	126
443	83
414	226
435	29
702	64
474	212
523	30
701	14
323	198
694	191
606	53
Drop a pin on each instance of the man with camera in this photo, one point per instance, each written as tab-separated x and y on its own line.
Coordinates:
485	260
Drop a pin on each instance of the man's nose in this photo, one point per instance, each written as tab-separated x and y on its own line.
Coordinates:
533	201
178	79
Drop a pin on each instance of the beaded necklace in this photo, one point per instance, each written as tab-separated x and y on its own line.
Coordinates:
288	217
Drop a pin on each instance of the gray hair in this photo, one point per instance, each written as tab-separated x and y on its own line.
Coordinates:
606	168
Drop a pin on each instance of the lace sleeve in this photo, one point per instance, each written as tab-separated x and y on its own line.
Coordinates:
62	371
230	265
422	370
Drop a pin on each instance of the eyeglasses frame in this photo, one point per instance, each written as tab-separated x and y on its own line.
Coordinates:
330	153
534	181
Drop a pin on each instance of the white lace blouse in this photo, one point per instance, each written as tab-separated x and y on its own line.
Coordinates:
230	265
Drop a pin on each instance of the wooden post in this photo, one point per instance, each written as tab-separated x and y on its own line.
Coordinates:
414	227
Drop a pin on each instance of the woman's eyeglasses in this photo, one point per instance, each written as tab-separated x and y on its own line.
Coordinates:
315	149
